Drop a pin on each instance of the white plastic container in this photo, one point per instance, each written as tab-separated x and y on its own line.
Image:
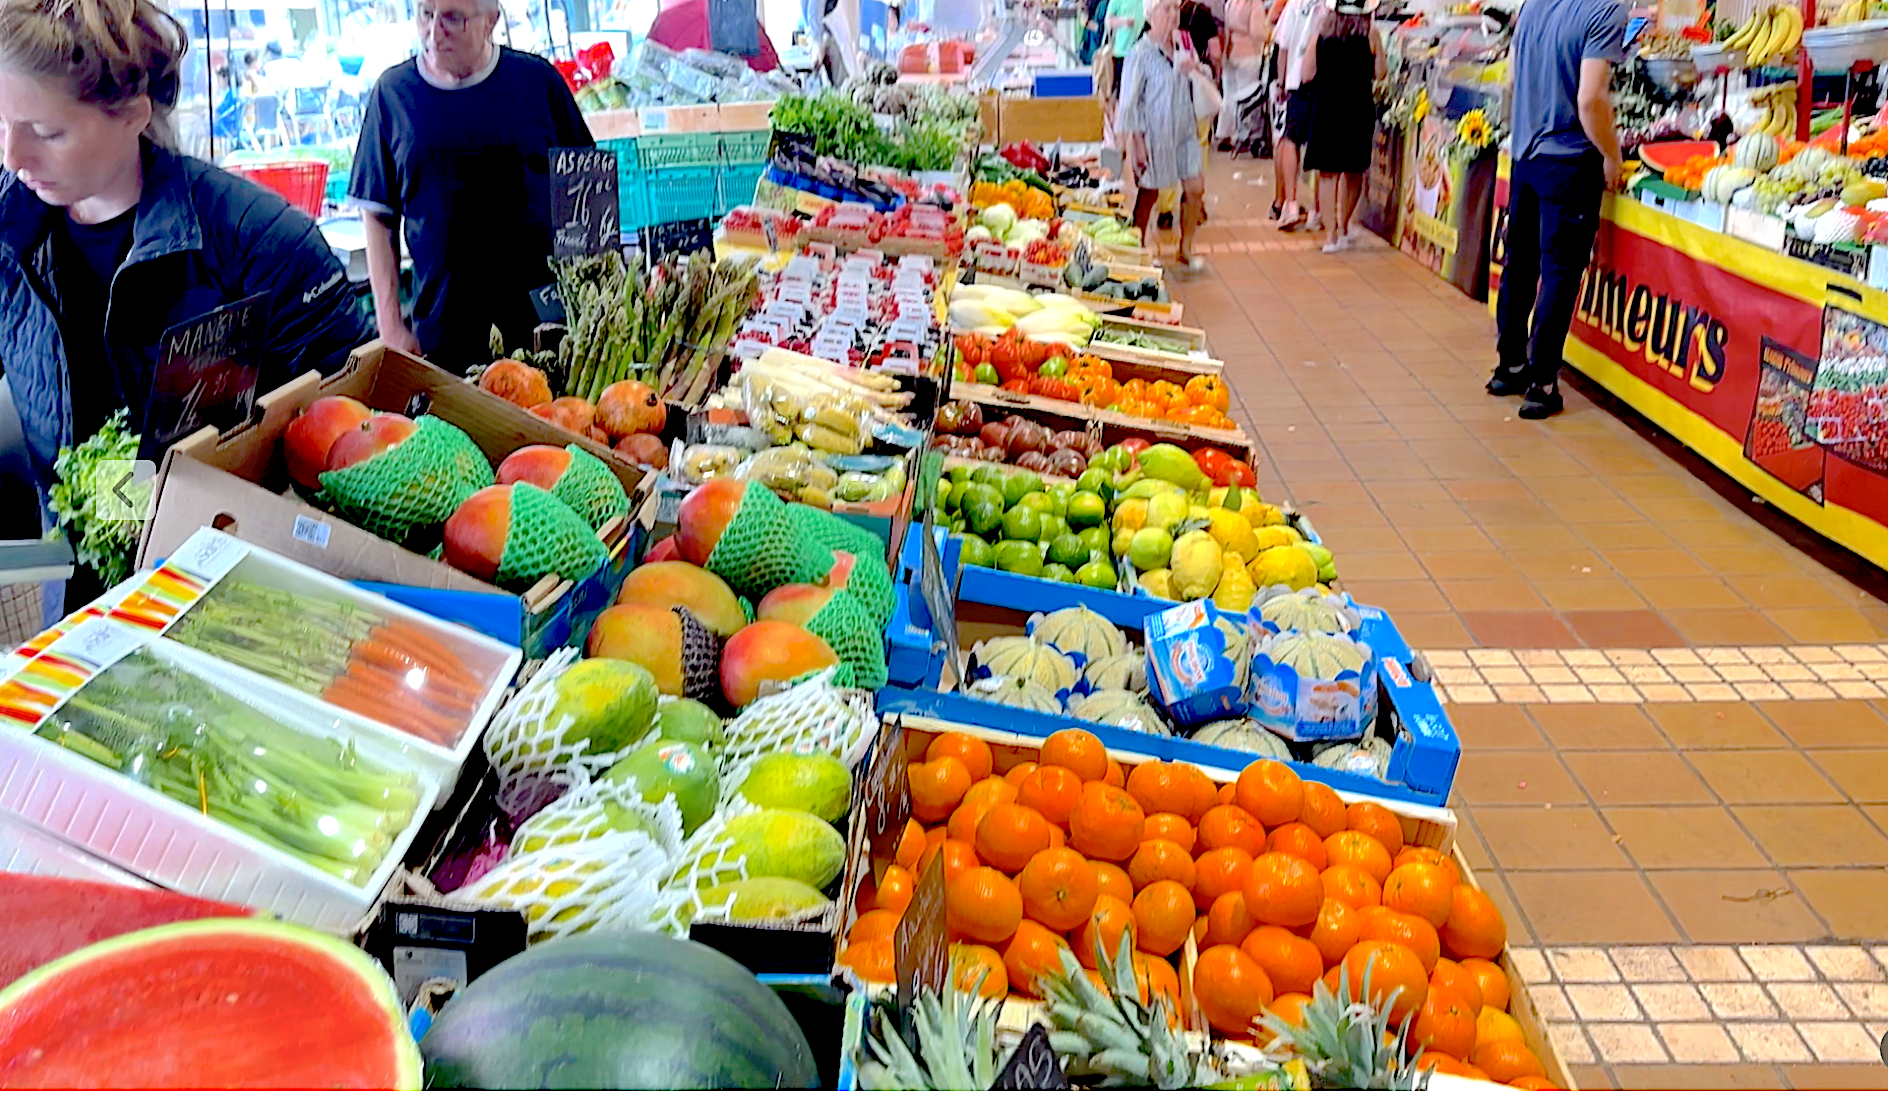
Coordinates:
29	850
1839	49
104	813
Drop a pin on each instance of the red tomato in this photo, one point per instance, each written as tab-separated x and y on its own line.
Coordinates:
1239	474
1016	384
1211	461
1135	445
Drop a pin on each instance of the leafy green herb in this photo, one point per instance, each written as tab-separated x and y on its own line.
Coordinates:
103	530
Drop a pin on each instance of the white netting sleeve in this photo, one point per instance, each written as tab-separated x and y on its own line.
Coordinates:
528	750
838	721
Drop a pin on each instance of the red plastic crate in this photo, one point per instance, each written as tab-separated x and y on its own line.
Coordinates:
303	182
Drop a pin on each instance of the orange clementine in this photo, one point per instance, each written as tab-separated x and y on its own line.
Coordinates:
1414	933
937	787
1110	919
1051	790
1227	796
1031	952
1377	821
1218	872
1163	915
1474	928
1228	921
872	925
991	790
1161	788
1491	979
982	904
871	959
1451	975
1505	1059
1059	889
1113	879
1157	859
1009	835
1173	827
1445	1023
1534	1084
1336	931
1323	810
1157	977
1420	889
894	891
1300	841
978	969
959	857
1232	826
965	820
1438	1061
1106	823
973	752
1020	772
1232	991
1282	889
910	845
1199	930
1205	792
1271	793
1397	981
1423	854
1114	777
1352	886
1359	849
1291	962
1078	751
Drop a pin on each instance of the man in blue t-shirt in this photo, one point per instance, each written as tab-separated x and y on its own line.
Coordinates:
456	143
1565	156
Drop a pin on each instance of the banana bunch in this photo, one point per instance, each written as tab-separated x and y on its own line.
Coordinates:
1779	109
1851	12
1771	34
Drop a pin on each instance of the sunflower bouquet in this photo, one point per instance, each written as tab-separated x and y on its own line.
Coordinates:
1408	109
1474	135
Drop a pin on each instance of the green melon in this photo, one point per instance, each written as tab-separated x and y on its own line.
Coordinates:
617	1011
683	769
688	720
611	701
807	779
788	844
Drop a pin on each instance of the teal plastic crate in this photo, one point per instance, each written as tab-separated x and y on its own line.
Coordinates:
668	150
682	194
737	185
632	186
746	146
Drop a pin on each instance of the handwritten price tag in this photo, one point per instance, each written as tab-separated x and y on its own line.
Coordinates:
583	202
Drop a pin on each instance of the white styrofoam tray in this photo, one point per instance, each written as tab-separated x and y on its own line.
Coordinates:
29	850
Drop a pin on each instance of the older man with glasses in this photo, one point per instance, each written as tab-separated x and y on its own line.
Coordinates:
456	144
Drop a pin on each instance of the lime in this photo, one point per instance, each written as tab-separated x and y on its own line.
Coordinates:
958	474
1058	573
1095	539
1086	508
976	551
956	526
1059	497
1097	481
1115	458
1053	526
1150	549
1018	485
982	508
991	474
1022	523
1068	550
1099	574
1022	557
950	495
1037	500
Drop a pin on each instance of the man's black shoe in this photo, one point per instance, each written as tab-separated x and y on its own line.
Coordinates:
1506	382
1540	403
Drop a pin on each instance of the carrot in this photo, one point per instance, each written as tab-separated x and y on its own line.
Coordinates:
422	642
394	686
416	721
398	660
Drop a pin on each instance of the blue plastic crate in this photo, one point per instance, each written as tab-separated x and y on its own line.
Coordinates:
737	185
682	194
666	150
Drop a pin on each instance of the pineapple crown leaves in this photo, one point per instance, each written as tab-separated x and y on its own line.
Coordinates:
1345	1041
1111	1033
956	1049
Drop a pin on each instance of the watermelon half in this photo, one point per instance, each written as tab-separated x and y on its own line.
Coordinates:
617	1011
46	917
1663	156
222	1003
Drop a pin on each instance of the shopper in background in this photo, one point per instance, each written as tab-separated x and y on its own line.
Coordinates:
1344	62
1242	109
1566	155
1158	125
455	145
1124	24
109	239
1296	34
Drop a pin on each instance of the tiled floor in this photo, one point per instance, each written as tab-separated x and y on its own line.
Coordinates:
1674	718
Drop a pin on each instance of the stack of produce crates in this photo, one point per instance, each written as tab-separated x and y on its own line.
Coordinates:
743	160
632	186
682	175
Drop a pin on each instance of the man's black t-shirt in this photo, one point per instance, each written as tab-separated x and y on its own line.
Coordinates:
468	170
84	259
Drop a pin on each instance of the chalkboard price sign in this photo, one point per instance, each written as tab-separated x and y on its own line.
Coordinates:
583	202
887	793
206	374
1032	1066
919	947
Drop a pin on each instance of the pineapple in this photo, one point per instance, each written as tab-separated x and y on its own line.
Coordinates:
956	1045
1110	1033
1346	1044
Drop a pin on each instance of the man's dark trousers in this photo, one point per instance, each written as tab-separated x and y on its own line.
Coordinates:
1553	217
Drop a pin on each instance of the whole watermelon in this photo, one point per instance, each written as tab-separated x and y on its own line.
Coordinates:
617	1011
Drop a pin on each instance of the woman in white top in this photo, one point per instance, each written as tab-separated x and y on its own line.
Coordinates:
1241	111
1156	120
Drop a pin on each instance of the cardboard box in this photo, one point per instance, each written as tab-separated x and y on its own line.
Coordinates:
238	482
1047	121
1190	673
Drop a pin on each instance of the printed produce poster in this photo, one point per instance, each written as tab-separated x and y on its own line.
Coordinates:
1383	185
1846	407
1778	439
1444	209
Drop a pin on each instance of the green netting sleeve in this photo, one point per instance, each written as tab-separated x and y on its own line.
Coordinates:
407	492
759	550
834	531
546	537
590	488
858	640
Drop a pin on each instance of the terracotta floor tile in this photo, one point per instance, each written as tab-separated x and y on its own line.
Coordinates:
1644	777
1415	515
1684	837
1825	625
1816	837
1762	776
1863	774
1672	486
1495	727
1622	628
1710	627
1399	596
1448	538
1851	901
1810	1078
1513	536
1470	564
1477	490
1829	722
1498	595
1533	838
1433	630
1648	563
1537	628
1597	727
1572	562
1591	907
1469	843
1593	511
1599	592
1691	592
1690	1077
1366	566
1754	561
1511	512
1714	726
1786	591
1365	540
1590	1078
1736	907
1494	883
1715	534
1627	534
1515	777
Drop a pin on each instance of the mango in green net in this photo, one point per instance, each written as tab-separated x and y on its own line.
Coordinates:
401	478
513	534
585	483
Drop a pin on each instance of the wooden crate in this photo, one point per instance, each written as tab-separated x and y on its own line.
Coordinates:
1109	427
1521	1006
